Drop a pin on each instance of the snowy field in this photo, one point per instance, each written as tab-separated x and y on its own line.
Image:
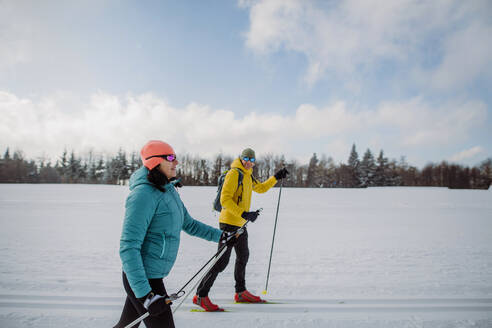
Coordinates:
378	257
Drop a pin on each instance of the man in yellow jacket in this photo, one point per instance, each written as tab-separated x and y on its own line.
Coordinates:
236	200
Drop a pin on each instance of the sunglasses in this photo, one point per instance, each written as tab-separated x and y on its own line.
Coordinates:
169	158
249	159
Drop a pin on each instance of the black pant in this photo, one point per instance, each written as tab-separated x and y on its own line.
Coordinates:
242	255
134	309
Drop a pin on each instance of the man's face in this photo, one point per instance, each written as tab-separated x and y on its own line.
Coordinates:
247	163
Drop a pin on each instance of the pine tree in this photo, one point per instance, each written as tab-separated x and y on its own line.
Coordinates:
135	162
100	171
122	167
293	167
311	172
74	168
62	166
91	168
117	169
353	166
367	170
217	169
6	156
380	178
328	174
203	176
486	174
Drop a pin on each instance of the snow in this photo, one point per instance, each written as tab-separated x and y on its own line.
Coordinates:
376	257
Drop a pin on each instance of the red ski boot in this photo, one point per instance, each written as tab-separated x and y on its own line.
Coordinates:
206	304
247	297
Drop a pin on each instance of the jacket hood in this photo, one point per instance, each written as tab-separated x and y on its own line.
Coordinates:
139	177
237	164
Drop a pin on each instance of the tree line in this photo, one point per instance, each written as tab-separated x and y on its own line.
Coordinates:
319	172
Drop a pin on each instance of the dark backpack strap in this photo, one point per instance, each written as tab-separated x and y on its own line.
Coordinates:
239	183
240	177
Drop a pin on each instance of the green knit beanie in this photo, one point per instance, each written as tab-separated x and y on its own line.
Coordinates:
248	152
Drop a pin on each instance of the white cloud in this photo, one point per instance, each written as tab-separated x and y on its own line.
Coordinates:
467	154
352	37
421	124
106	122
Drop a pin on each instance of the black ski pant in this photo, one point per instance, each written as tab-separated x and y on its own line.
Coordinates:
242	255
134	308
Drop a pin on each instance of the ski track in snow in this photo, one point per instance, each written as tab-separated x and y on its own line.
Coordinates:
20	311
277	305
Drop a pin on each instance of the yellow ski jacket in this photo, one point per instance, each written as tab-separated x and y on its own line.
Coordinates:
236	200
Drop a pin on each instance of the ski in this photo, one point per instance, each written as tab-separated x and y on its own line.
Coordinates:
203	310
266	302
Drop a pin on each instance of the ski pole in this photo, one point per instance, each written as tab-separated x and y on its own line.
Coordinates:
273	238
146	314
219	255
216	256
181	291
134	322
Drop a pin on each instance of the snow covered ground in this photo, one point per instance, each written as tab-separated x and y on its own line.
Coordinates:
378	257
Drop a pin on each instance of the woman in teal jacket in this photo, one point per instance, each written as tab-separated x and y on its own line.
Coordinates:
154	218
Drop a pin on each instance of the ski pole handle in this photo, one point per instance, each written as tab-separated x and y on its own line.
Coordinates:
175	296
168	300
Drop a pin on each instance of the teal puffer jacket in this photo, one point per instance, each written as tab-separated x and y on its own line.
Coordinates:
151	231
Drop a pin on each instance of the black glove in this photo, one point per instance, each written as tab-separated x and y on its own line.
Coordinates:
156	304
250	216
282	173
229	238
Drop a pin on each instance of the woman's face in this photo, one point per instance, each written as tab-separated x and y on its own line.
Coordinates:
168	168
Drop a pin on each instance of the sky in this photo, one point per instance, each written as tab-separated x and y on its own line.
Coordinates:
291	77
